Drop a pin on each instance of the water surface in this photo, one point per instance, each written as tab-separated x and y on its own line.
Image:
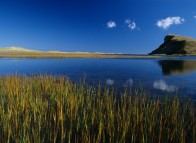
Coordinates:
158	76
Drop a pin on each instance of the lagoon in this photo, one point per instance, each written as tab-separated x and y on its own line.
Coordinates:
157	76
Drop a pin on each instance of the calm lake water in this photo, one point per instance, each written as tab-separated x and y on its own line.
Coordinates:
158	76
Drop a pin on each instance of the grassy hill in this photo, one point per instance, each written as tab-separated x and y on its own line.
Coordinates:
18	52
17	49
174	44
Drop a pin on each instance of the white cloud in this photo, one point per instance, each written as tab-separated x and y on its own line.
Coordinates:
111	24
109	82
166	23
131	24
161	85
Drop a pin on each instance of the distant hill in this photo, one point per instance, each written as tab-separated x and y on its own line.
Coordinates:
21	50
18	52
17	49
174	44
24	50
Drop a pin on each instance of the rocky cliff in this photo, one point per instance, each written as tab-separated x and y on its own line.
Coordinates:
174	44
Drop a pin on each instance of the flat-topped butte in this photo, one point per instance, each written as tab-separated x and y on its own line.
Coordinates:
176	45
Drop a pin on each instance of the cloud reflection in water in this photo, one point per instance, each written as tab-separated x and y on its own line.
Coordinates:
109	82
130	81
162	85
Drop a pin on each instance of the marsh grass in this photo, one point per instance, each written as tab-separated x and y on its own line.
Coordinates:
53	109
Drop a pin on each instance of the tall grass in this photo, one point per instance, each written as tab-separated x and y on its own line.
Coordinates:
52	109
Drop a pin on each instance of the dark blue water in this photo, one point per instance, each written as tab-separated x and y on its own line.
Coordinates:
158	76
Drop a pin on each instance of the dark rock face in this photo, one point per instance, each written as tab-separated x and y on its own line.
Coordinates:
176	45
168	37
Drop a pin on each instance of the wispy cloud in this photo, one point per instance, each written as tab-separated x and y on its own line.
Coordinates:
109	82
166	23
131	24
162	85
194	16
111	24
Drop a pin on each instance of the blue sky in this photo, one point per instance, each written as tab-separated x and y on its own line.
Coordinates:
117	26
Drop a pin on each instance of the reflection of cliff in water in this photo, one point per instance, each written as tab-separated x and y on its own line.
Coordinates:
174	67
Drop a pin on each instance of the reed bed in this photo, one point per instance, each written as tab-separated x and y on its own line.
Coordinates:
53	109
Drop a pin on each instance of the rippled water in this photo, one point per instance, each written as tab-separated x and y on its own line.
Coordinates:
157	76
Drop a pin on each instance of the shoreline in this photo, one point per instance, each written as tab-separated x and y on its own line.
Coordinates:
82	55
